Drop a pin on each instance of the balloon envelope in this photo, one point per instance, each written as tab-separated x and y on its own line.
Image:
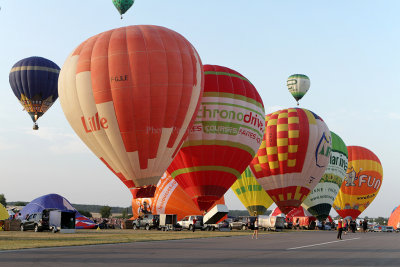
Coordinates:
394	219
131	94
251	193
34	82
292	157
319	201
361	184
169	198
123	5
224	139
298	85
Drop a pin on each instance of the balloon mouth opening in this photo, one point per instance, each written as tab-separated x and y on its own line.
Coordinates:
143	191
205	202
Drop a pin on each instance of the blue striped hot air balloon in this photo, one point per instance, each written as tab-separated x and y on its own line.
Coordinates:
34	81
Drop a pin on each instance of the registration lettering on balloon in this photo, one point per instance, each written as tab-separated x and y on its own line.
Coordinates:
121	78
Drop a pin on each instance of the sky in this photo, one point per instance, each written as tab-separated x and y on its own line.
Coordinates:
349	49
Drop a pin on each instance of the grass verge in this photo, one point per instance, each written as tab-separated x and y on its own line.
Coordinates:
21	240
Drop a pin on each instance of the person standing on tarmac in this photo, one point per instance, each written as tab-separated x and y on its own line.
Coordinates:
194	223
340	229
255	229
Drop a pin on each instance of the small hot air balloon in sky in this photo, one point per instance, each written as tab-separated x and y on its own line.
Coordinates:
361	183
251	194
131	94
319	201
169	198
298	85
224	139
34	82
292	157
123	5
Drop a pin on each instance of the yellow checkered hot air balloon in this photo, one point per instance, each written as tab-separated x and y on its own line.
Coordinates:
251	193
293	156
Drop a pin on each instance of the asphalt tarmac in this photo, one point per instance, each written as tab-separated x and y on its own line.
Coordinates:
312	248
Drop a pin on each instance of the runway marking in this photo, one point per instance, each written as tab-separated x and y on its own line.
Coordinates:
319	244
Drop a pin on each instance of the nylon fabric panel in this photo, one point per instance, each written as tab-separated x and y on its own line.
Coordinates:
361	184
394	219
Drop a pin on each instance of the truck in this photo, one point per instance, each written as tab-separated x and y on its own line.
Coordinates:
146	221
271	223
187	222
167	222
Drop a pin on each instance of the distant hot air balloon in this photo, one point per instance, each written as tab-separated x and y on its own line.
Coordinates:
169	198
394	219
34	82
361	183
319	201
293	156
251	193
298	85
123	5
131	94
224	138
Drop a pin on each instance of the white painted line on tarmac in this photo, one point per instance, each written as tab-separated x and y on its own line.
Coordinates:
319	244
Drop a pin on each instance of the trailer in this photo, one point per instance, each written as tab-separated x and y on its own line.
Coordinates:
62	221
167	222
271	223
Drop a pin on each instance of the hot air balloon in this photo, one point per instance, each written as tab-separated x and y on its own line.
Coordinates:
123	5
131	94
319	201
34	82
292	157
298	85
251	194
361	184
394	219
224	138
169	198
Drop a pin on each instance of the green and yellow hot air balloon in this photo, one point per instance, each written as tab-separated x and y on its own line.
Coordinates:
251	193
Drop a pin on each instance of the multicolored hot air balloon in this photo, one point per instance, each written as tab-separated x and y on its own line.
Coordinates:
394	219
319	201
293	156
169	198
298	85
224	139
361	184
131	94
251	193
123	5
34	82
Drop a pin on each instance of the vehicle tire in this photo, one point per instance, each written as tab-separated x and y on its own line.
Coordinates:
36	228
243	227
230	227
213	228
190	227
147	227
22	228
54	230
134	227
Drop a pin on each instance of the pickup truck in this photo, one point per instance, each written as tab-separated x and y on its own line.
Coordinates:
147	221
187	222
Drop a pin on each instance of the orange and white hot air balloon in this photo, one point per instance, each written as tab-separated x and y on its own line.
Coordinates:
169	198
293	156
361	184
131	94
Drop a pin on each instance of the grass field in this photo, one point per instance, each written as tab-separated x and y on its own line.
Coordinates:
29	239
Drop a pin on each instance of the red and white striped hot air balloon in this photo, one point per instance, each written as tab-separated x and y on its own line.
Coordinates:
131	94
